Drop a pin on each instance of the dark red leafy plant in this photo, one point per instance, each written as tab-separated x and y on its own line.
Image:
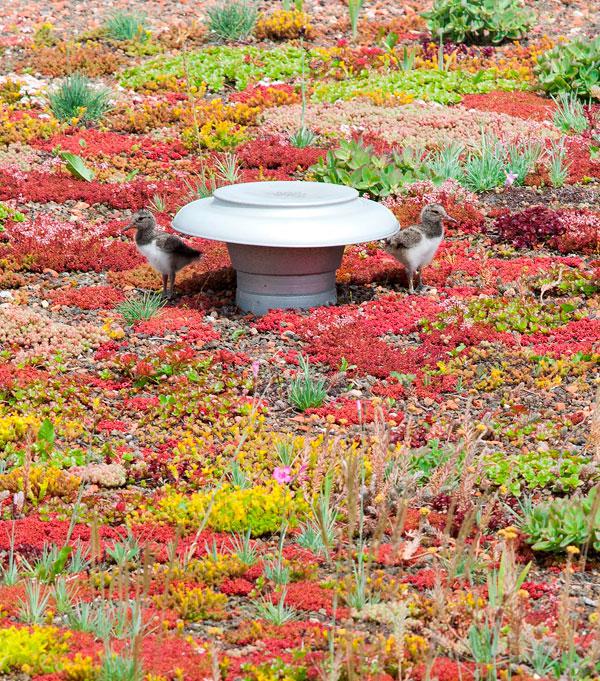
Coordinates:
530	227
276	153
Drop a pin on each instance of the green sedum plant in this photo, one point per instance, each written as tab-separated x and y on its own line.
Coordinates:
40	648
426	460
559	281
8	213
444	87
559	471
571	67
258	509
525	315
563	522
220	66
479	21
491	165
224	66
356	165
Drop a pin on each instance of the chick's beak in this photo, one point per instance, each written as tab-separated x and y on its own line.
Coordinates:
450	219
126	229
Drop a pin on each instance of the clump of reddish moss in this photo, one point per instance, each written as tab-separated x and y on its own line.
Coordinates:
88	297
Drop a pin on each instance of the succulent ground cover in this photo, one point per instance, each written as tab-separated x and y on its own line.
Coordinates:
397	487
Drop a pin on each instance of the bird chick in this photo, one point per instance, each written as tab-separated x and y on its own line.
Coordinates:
416	246
166	253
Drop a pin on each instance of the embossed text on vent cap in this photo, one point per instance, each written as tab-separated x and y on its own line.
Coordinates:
286	194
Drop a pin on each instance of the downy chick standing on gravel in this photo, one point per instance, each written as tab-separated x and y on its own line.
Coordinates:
416	246
166	253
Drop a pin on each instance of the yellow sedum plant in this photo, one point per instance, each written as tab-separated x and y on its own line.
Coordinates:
39	483
13	428
260	509
193	604
284	24
214	135
25	128
35	650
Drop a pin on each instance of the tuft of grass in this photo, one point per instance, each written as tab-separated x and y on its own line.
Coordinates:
285	452
136	309
354	8
124	26
158	203
228	168
77	98
226	171
275	569
318	534
306	391
125	552
9	573
302	138
278	613
63	595
51	564
570	114
242	547
32	609
122	667
444	164
558	168
484	169
408	56
238	478
522	158
232	19
90	618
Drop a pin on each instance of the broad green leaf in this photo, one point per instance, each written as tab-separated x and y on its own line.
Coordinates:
46	432
76	166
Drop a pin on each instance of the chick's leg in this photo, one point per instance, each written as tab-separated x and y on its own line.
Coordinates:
420	286
165	279
410	274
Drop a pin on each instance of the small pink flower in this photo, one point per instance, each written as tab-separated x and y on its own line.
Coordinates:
283	474
255	369
510	178
18	502
301	473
